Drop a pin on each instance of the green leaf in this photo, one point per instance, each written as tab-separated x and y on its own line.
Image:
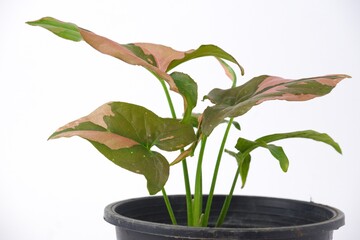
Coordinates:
132	123
145	127
189	90
65	30
237	101
124	133
246	146
234	123
309	134
243	161
203	51
195	119
244	169
280	155
140	160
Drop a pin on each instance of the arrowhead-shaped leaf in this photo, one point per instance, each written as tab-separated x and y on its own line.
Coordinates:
124	133
243	157
237	101
246	146
156	58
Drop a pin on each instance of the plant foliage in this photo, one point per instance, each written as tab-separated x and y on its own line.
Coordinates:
126	133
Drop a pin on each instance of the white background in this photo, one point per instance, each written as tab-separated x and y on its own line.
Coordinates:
58	189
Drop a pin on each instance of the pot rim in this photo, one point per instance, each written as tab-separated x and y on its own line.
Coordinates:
336	221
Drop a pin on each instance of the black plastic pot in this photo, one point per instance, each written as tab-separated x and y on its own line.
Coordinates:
248	218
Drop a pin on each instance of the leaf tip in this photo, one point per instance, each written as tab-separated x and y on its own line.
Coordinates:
52	136
30	23
62	29
338	149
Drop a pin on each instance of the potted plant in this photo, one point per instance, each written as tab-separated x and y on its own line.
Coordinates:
127	134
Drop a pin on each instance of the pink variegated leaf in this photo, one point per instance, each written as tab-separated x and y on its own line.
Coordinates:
237	101
156	58
167	58
229	71
129	53
125	133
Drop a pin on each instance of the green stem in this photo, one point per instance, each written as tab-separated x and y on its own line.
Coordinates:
198	196
168	206
168	98
227	201
218	161
228	198
188	193
215	174
184	163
